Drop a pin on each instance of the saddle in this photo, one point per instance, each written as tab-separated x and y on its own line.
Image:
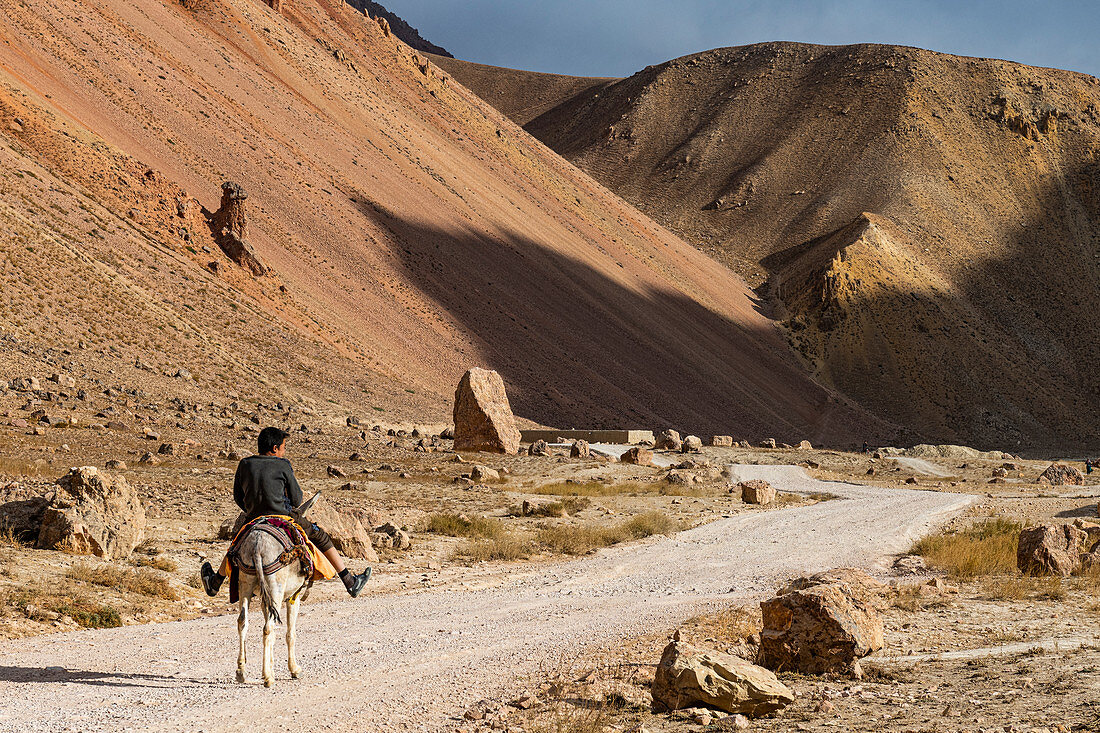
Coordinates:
296	547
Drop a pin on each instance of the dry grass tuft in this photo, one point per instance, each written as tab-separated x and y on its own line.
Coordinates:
1024	587
988	548
453	525
71	546
568	506
159	563
506	546
9	539
580	540
143	581
595	488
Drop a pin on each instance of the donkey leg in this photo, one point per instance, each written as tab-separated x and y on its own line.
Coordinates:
291	637
269	647
242	630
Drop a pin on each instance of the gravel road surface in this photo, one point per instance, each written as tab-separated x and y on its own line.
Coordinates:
416	660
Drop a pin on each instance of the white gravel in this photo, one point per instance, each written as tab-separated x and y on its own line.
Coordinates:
416	660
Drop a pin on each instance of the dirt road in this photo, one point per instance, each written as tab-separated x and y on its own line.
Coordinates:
417	660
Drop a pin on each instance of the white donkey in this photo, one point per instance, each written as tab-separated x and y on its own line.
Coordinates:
288	585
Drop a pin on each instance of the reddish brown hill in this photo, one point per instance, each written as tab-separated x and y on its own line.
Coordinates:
927	225
410	230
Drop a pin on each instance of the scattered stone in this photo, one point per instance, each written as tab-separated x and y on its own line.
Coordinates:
448	434
335	472
805	445
668	440
819	629
769	443
688	676
638	456
93	513
26	384
910	565
482	416
757	491
539	448
580	449
116	465
398	538
692	444
911	480
118	426
168	449
481	474
148	459
1060	474
1052	549
722	441
1000	472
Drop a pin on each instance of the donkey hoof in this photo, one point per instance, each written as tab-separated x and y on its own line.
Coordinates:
241	678
296	674
269	681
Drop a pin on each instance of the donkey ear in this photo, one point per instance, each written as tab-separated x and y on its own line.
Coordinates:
308	504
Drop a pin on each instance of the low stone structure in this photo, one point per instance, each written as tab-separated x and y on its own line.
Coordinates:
722	441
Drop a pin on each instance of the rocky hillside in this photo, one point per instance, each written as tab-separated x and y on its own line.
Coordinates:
402	231
927	226
400	27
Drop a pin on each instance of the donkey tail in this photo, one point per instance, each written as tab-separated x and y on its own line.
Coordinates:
265	592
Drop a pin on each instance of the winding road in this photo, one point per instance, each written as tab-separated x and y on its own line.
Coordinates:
416	660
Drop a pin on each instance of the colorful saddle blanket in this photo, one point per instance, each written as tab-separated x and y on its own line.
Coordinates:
296	547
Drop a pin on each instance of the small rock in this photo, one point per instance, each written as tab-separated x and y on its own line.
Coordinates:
335	472
692	444
539	448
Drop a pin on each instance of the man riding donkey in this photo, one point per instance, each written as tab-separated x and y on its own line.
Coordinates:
265	486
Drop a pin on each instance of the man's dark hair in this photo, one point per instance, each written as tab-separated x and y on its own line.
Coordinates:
270	439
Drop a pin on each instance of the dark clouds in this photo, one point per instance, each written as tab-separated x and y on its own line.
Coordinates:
619	37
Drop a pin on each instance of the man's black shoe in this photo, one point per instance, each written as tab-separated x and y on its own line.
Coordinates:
211	581
355	585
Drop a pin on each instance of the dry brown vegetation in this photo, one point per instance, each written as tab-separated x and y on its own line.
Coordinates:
985	548
596	488
582	539
144	581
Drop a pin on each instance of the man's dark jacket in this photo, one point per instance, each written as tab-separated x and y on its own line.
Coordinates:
266	485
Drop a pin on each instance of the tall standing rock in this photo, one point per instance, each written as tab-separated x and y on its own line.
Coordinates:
482	416
230	225
93	513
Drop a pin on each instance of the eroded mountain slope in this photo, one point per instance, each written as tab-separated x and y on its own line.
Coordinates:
410	231
927	225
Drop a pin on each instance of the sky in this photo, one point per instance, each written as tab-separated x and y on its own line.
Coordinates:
620	37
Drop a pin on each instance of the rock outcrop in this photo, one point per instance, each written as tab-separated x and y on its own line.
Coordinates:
638	455
1060	474
230	226
688	676
93	513
539	448
668	440
482	416
580	449
1052	549
822	628
757	491
722	441
692	444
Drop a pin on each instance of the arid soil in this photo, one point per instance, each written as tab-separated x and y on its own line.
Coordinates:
903	212
411	232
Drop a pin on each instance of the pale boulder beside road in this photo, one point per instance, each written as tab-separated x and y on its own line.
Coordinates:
482	416
688	676
93	513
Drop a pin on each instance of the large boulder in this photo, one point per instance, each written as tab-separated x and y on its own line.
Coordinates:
93	513
688	676
692	444
856	583
637	455
580	449
757	491
482	416
668	440
722	441
1052	549
819	629
539	448
1060	474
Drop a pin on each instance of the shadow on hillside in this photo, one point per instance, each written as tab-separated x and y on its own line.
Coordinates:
579	348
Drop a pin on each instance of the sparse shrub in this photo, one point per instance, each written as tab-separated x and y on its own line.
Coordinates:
506	546
569	505
8	538
454	525
91	615
144	581
986	548
580	540
160	563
